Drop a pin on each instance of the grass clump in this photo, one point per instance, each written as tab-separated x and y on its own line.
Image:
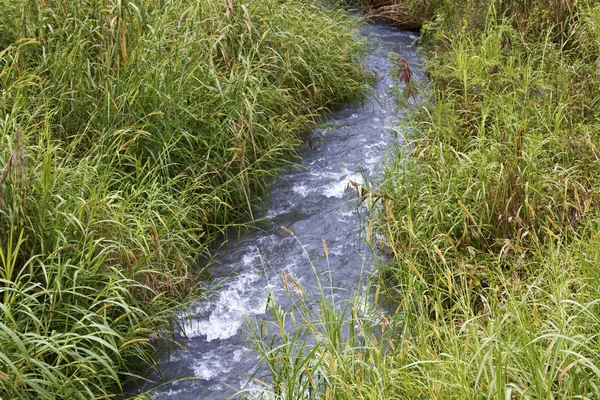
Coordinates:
131	134
490	215
503	159
321	347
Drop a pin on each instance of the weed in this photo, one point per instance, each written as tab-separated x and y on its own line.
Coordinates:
132	133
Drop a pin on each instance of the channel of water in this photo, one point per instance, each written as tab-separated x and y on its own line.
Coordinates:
316	204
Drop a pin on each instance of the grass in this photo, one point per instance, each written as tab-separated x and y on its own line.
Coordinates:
132	133
490	215
316	346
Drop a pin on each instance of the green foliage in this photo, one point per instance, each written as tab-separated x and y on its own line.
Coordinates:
131	134
490	214
527	338
323	348
504	159
489	211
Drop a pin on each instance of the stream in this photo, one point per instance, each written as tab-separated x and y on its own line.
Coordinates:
315	203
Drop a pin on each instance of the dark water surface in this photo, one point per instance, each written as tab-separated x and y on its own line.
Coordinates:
315	204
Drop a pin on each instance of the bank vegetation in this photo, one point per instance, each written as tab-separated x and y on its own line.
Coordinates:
132	133
490	216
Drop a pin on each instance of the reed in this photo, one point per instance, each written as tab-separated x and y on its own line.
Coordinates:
132	133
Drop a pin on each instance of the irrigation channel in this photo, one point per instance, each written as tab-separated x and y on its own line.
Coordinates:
316	205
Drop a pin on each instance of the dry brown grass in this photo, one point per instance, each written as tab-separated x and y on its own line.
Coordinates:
406	14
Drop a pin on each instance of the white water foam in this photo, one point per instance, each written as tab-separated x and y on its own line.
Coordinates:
210	368
337	250
255	390
248	259
236	301
170	393
237	355
337	189
301	189
213	364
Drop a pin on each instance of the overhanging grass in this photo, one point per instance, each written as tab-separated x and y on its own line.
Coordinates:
491	216
131	134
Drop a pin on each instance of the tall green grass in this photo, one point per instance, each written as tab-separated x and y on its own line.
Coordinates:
321	347
490	215
131	134
503	160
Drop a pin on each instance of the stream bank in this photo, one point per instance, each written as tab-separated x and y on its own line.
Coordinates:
132	134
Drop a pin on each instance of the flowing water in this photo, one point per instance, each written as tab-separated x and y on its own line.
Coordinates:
316	205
